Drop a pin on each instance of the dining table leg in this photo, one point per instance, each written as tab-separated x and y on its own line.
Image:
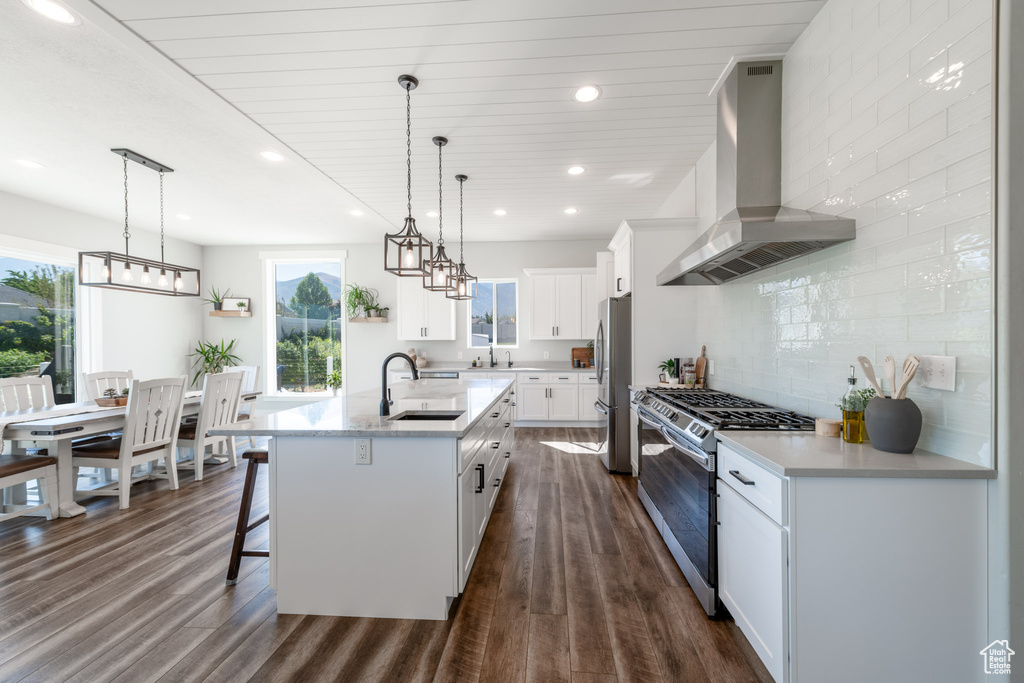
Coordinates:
66	481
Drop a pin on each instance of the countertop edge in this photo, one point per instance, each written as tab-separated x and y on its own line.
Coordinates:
239	428
966	470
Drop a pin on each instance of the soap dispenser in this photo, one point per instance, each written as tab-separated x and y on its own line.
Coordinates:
852	404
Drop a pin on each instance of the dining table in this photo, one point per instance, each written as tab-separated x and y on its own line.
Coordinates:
56	434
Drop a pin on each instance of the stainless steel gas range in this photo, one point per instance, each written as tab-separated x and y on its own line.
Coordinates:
677	447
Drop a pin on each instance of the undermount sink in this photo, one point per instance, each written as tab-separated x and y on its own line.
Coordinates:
430	415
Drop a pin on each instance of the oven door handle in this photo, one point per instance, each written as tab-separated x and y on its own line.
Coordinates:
704	460
600	407
647	418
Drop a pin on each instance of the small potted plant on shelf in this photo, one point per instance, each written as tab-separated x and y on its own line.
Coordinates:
370	302
241	306
216	298
334	381
111	398
668	376
383	310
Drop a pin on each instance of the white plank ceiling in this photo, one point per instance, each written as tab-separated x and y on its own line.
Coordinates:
496	78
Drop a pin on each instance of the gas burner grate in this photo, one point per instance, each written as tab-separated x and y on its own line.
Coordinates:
773	419
704	398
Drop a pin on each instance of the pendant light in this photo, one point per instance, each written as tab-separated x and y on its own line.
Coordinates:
408	252
464	282
116	269
442	268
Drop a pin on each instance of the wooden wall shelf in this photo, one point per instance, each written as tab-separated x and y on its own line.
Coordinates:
230	314
367	320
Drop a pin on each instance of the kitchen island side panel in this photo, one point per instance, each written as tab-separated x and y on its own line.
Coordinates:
376	540
887	579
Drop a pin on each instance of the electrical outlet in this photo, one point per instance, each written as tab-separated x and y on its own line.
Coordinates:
938	372
545	355
364	456
711	366
460	355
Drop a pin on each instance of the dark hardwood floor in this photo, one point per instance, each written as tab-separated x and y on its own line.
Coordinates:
572	584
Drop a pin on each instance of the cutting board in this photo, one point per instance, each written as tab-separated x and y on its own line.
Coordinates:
701	366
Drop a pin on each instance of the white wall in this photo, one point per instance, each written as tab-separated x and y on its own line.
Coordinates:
367	344
151	335
886	119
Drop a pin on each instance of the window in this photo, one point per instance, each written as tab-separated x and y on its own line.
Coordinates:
494	314
306	340
37	322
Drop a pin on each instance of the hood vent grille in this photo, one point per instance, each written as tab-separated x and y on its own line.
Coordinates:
761	257
765	70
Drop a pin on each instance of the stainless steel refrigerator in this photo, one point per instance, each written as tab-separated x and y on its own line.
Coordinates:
613	355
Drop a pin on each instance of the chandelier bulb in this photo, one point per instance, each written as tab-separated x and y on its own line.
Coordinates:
177	281
126	274
146	279
163	278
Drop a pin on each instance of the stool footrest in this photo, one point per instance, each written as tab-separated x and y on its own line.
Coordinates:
262	520
255	553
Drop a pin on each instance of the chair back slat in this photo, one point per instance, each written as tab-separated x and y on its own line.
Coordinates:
154	414
98	382
250	374
23	393
219	403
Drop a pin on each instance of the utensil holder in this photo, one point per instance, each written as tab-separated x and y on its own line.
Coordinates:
894	425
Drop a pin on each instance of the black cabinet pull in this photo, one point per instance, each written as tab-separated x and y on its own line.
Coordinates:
496	445
618	284
508	454
494	414
497	482
480	486
506	400
743	480
507	425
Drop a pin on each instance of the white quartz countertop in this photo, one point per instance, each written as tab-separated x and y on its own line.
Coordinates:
358	414
517	366
806	454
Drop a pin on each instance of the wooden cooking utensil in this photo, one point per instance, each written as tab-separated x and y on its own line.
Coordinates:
890	374
869	372
910	366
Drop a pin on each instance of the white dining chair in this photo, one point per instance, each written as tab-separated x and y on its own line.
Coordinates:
97	382
23	393
18	470
250	383
217	406
150	434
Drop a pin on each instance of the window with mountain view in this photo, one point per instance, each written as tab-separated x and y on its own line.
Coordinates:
493	314
37	323
308	325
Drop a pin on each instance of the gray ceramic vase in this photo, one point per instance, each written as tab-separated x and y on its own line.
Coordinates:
894	425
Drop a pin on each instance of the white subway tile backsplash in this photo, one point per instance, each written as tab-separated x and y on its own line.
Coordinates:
886	120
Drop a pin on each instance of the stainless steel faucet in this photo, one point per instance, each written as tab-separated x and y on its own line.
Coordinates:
385	393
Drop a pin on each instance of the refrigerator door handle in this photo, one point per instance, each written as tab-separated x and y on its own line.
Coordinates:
600	352
600	407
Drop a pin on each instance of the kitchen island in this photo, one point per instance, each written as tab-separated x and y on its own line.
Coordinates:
376	516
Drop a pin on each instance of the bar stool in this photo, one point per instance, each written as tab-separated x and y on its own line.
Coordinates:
255	458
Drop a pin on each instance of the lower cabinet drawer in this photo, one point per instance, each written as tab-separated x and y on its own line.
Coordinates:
532	378
765	490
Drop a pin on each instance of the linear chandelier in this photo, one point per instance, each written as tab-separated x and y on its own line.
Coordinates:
408	253
114	270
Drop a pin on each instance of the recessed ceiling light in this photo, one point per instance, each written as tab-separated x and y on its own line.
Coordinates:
576	170
35	165
587	93
356	212
184	217
53	11
270	155
432	214
572	210
500	212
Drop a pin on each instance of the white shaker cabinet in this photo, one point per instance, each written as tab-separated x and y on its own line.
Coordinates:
532	402
557	301
589	303
622	246
423	315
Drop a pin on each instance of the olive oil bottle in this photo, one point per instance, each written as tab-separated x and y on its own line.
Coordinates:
852	405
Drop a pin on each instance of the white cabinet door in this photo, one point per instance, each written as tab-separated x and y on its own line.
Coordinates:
589	303
440	317
543	306
563	402
568	320
531	402
588	396
470	504
752	577
623	268
411	308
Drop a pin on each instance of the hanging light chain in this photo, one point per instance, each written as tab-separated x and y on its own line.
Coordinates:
440	203
127	234
461	239
408	147
161	215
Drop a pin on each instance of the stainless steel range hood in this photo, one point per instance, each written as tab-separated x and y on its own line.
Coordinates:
754	231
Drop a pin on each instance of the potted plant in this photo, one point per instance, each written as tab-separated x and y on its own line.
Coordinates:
383	311
373	312
241	306
216	298
111	398
334	381
370	302
212	358
359	300
669	374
